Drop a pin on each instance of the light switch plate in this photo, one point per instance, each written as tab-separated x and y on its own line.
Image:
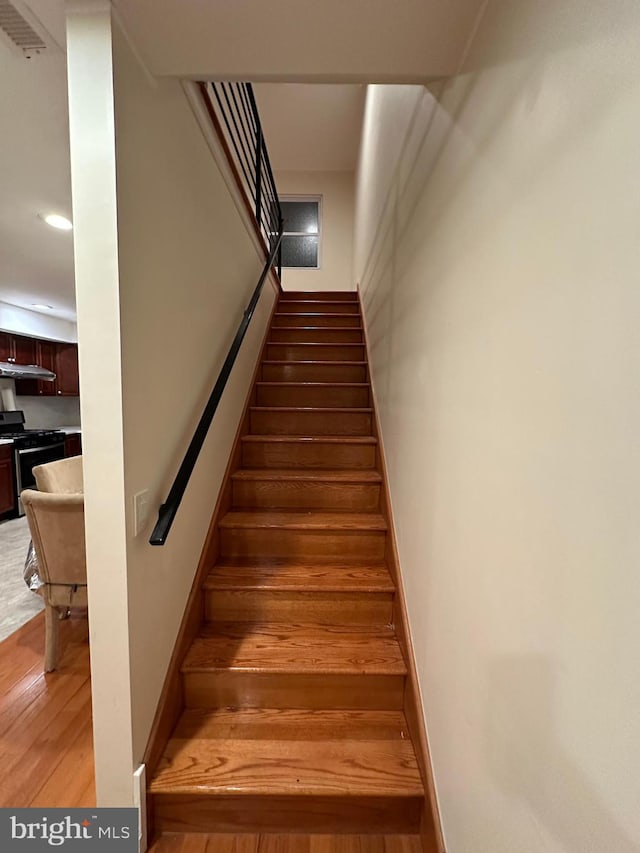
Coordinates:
141	508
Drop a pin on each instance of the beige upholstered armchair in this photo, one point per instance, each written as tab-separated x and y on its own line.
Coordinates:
56	520
63	476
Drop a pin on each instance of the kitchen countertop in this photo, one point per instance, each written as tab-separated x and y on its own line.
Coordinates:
6	441
69	430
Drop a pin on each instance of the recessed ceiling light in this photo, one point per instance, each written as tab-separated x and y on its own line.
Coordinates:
57	221
42	306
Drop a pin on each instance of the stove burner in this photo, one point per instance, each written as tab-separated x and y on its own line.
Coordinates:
30	438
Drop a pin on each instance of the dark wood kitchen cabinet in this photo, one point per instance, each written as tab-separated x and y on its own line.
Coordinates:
7	491
59	357
73	445
46	357
17	349
66	370
24	349
5	346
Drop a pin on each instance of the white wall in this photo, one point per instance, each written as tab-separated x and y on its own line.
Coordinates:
159	299
35	324
336	254
93	182
49	412
498	255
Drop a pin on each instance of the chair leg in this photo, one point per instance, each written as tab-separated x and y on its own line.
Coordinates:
51	642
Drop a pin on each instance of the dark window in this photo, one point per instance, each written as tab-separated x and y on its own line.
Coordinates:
301	236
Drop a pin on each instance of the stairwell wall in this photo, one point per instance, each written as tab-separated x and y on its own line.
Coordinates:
336	242
497	255
165	267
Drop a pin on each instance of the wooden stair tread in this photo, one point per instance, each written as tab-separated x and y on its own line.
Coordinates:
319	439
275	752
308	301
315	362
311	384
324	409
346	295
357	475
304	520
279	647
288	715
310	344
298	576
291	724
307	327
289	842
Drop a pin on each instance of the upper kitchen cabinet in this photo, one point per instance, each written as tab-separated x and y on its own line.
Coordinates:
5	348
59	357
46	357
17	349
66	370
24	350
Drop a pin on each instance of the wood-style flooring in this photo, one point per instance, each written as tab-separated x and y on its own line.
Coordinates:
286	843
46	737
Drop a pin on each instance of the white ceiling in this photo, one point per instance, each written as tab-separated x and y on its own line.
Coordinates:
321	41
311	127
36	261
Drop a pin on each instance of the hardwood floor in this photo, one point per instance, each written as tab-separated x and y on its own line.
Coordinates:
286	843
46	737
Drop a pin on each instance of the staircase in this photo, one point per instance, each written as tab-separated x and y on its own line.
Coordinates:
294	687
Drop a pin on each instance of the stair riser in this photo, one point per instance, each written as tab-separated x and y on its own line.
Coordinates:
315	352
290	306
320	544
316	336
293	494
314	372
319	296
281	454
329	395
195	813
320	608
314	319
238	689
310	423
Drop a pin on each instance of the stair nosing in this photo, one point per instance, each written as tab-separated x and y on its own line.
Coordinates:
313	344
318	328
311	383
319	409
347	475
318	439
303	520
279	361
367	591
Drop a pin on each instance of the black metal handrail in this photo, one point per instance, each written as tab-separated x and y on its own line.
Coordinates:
242	134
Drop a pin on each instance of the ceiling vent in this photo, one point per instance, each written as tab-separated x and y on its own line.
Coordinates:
23	31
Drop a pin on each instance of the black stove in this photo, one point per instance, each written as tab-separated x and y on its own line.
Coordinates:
34	437
12	427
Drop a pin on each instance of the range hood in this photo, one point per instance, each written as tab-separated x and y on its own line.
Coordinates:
8	370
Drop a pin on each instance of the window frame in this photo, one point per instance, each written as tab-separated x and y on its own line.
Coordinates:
293	197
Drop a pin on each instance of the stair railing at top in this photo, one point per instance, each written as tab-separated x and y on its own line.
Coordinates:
234	115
